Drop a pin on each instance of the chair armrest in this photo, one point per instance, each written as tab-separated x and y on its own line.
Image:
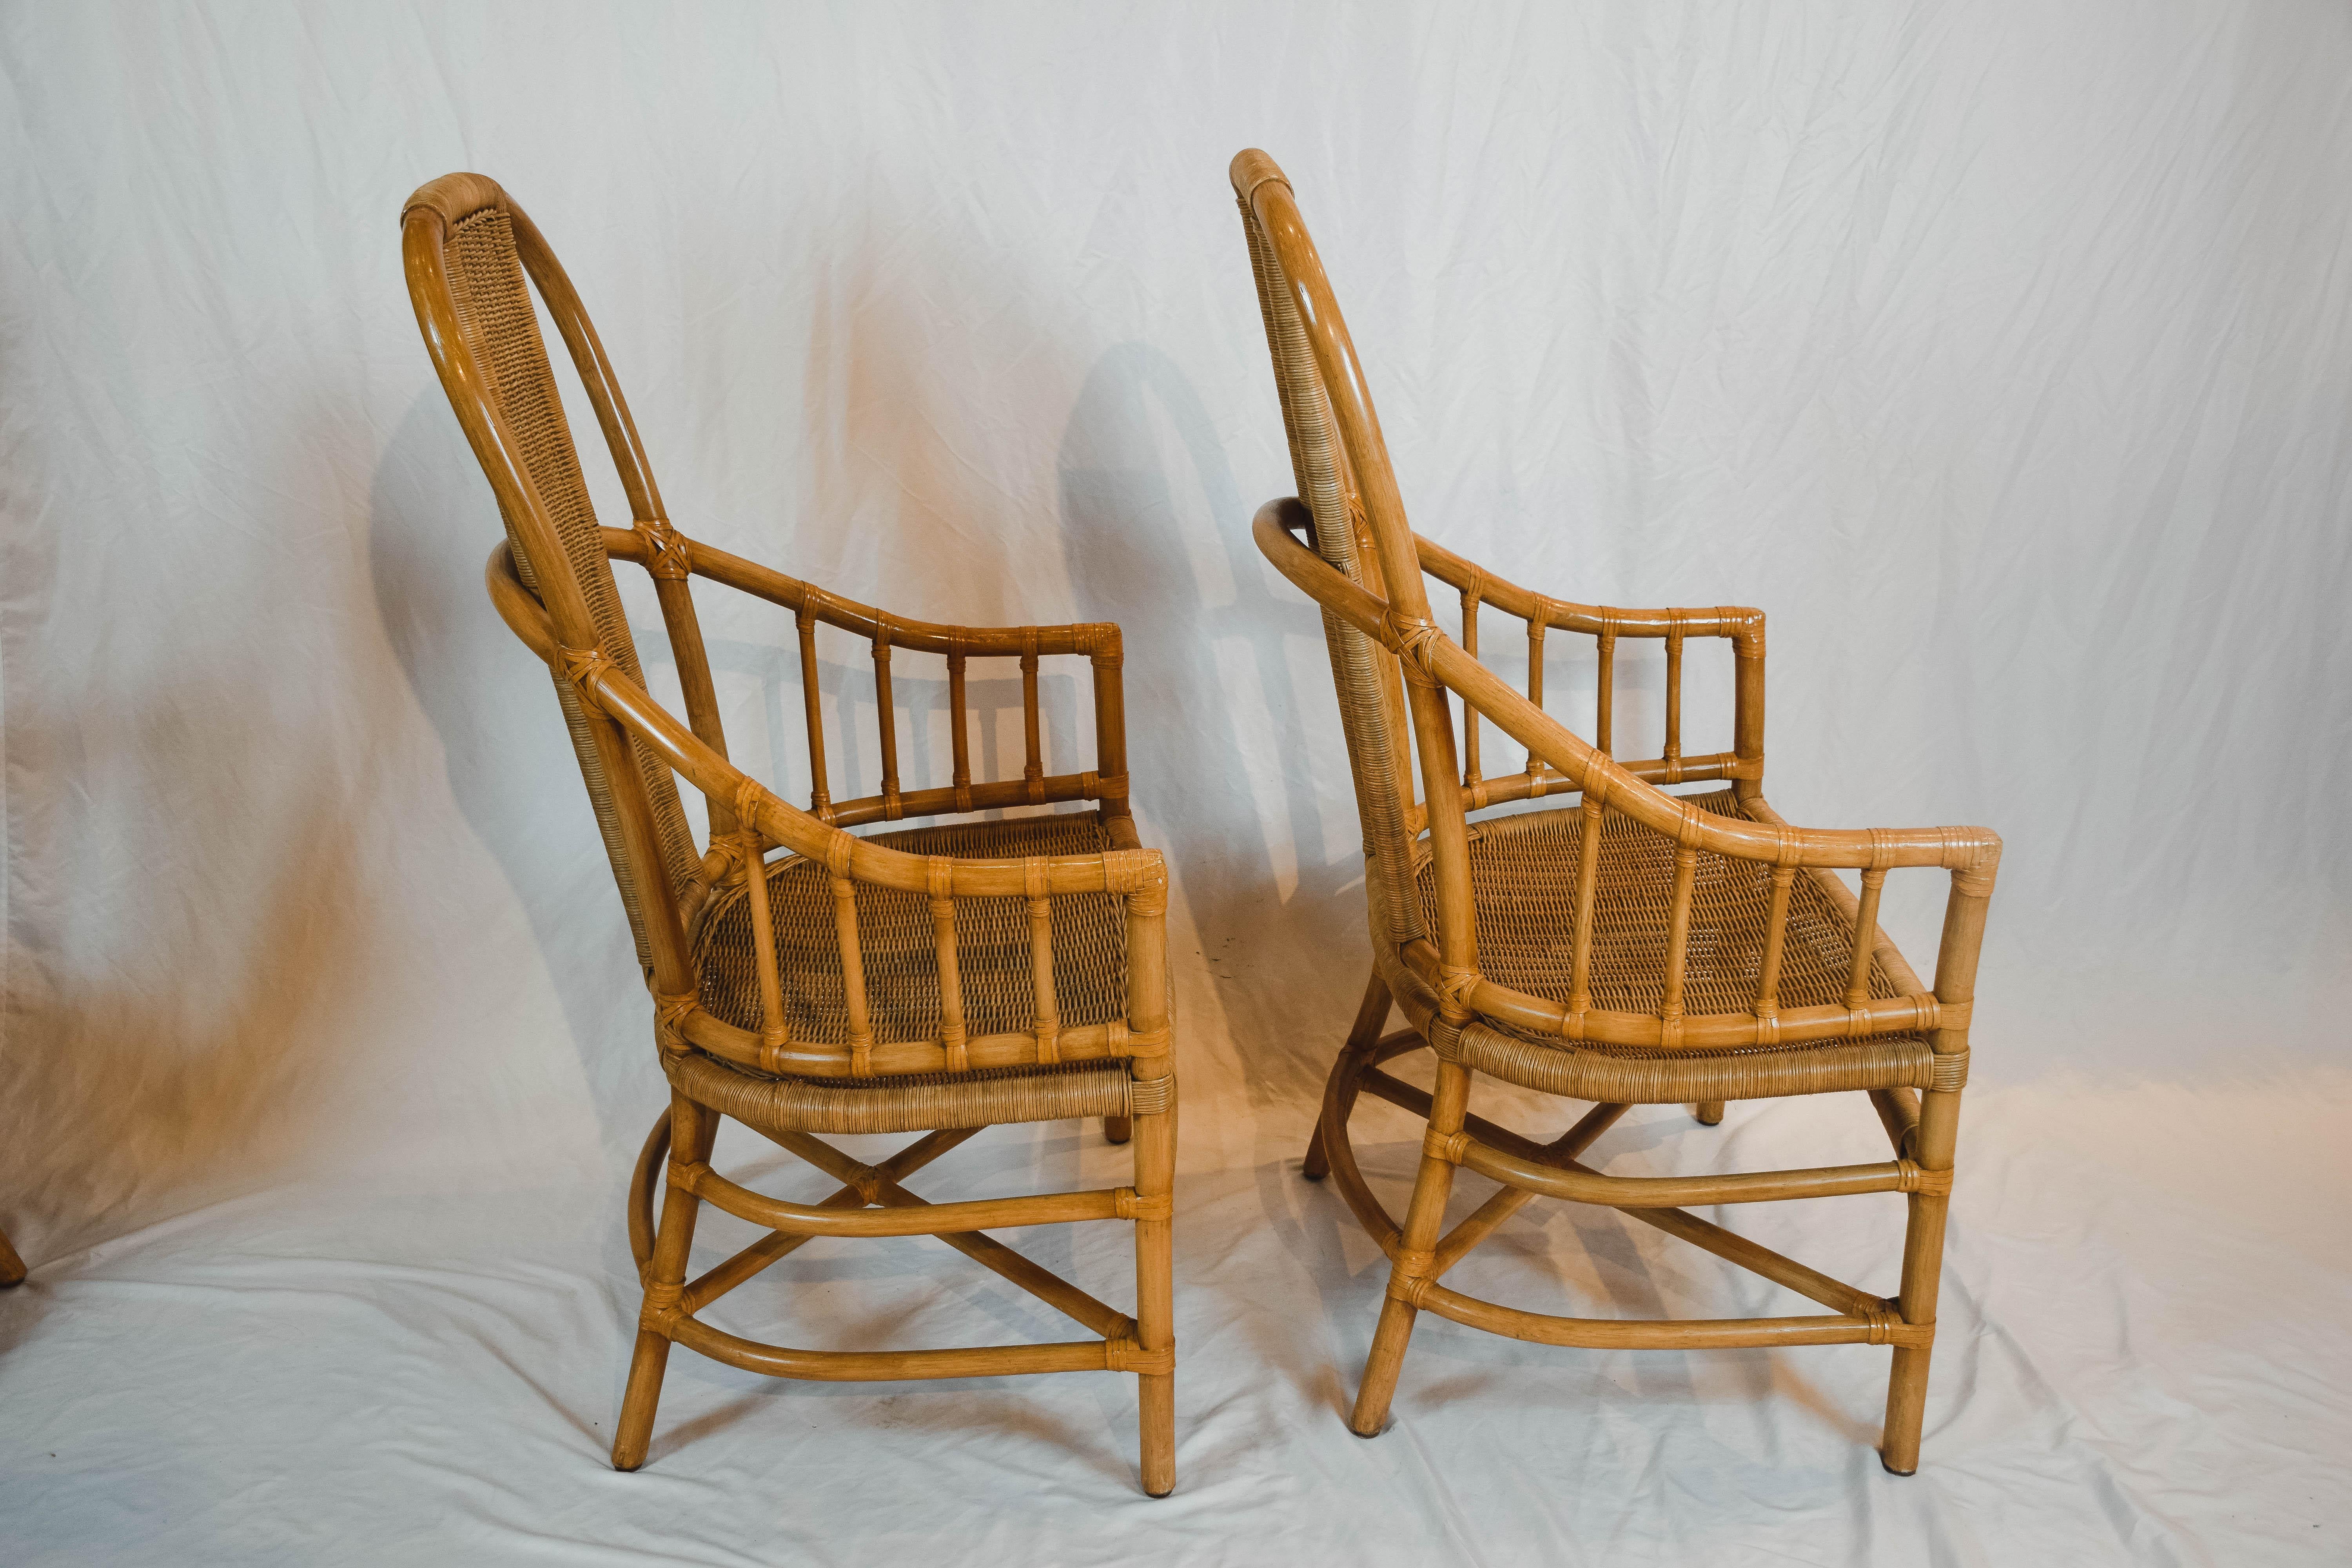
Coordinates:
1738	622
1139	876
665	551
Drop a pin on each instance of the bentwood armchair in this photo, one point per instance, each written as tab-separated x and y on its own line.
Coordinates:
1628	946
940	979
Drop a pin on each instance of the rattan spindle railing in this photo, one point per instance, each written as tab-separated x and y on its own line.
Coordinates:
804	623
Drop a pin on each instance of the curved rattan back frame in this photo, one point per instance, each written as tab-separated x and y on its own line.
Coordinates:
1375	604
467	249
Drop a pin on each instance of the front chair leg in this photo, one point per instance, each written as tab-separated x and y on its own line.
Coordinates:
692	1130
1155	1323
1415	1258
1708	1111
1923	1267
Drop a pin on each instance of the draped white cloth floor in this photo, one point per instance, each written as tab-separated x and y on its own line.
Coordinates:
2143	1358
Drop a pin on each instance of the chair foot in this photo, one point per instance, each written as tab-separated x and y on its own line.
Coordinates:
1890	1471
1317	1164
1906	1409
1118	1129
1156	1411
1708	1111
12	1268
635	1433
1381	1367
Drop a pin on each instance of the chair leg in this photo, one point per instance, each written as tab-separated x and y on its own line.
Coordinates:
1415	1257
692	1128
1317	1164
1118	1129
1923	1267
1370	1013
1708	1111
12	1268
1155	1327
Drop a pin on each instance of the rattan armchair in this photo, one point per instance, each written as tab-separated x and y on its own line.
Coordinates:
1628	946
938	979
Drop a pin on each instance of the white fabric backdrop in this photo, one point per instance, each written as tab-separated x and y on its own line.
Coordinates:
2004	353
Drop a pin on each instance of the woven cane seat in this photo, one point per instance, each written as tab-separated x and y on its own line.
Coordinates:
898	943
1523	885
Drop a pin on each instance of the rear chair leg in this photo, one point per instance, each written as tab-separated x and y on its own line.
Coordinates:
1155	1177
1118	1129
1708	1111
1923	1267
1362	1037
692	1130
1414	1259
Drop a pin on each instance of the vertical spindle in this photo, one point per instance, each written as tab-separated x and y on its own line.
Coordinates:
1678	919
1470	773
959	726
1041	964
1606	700
1675	704
1865	937
887	713
1587	885
1776	936
852	964
1537	782
941	875
1034	770
820	801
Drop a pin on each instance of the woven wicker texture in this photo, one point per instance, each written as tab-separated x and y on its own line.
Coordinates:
982	1098
897	940
1523	882
493	305
1359	665
1758	1072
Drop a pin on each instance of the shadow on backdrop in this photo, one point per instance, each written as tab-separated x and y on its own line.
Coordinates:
1210	655
431	525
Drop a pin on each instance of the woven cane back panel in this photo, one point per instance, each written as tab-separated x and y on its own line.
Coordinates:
899	947
1523	885
501	328
1318	461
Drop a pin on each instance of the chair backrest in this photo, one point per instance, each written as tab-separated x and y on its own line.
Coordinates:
1361	528
468	250
1334	437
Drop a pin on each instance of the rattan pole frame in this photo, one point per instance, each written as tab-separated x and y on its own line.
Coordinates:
829	1046
1712	953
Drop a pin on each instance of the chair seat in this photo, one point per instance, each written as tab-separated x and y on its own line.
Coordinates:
1523	884
898	951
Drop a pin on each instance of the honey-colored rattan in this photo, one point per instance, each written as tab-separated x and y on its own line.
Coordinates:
494	311
944	978
1629	945
895	936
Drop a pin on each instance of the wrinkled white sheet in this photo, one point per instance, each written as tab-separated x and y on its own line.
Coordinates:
1998	351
